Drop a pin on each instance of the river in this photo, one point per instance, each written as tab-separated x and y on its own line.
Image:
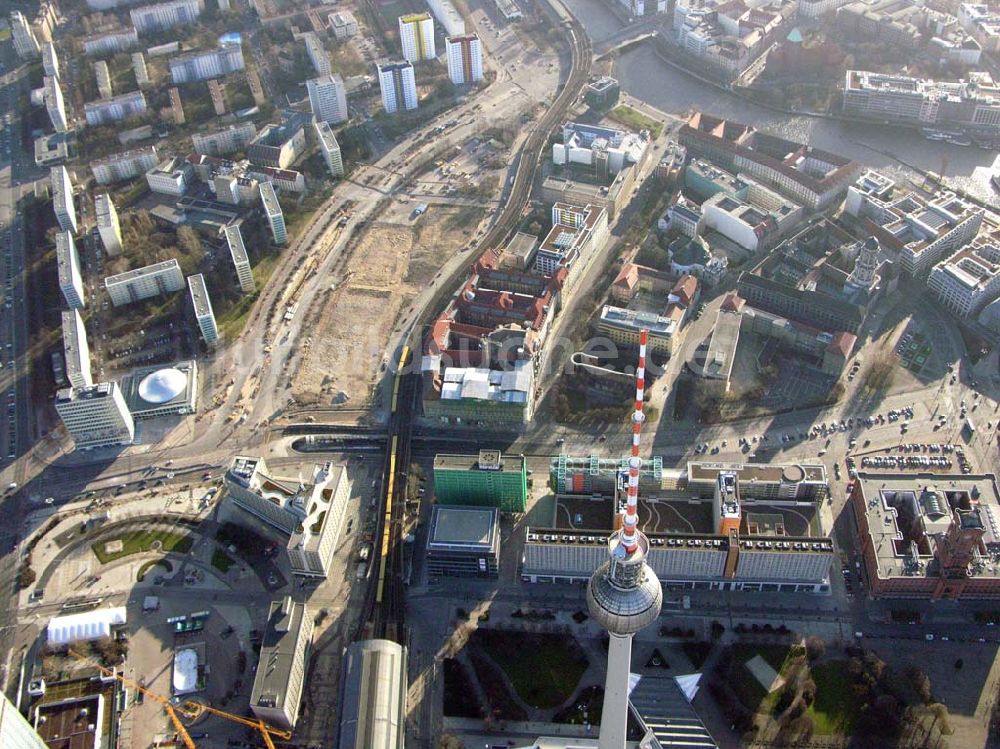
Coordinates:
645	76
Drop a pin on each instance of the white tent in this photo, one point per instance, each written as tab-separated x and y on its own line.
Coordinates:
89	625
185	671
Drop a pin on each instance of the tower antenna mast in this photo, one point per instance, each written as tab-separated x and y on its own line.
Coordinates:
623	594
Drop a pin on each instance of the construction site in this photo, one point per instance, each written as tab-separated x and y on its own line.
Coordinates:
390	264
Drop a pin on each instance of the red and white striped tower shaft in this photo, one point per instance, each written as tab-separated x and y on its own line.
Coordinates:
629	538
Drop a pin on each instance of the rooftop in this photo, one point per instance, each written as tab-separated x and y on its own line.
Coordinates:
635	320
750	472
470	528
235	241
282	634
87	392
199	295
495	462
131	275
270	199
908	514
373	698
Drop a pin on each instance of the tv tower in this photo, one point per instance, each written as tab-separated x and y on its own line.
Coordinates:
624	595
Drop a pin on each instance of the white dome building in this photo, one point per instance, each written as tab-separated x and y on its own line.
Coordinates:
155	391
162	386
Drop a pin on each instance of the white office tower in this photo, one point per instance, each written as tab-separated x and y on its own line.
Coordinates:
141	71
465	59
328	98
70	277
62	198
25	43
624	595
241	261
272	209
203	309
162	16
55	105
416	36
399	87
103	76
107	224
76	350
330	148
95	416
15	731
50	60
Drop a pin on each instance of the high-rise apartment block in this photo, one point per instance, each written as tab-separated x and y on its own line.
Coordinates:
465	59
203	313
139	67
50	60
284	661
125	165
68	265
416	36
55	105
143	283
220	142
317	54
328	98
200	66
272	209
15	731
149	19
95	415
241	261
107	224
25	43
115	109
110	42
330	148
62	198
399	86
103	76
76	350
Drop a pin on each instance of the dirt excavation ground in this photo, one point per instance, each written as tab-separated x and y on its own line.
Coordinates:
346	329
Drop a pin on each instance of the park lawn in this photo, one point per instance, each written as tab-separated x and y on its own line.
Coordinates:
633	118
545	672
836	704
133	543
746	686
222	561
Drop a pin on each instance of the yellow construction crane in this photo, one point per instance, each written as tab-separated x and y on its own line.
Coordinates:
190	709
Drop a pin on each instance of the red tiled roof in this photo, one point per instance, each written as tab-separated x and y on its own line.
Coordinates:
843	343
733	302
685	289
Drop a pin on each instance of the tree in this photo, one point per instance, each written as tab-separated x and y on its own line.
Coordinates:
815	647
189	241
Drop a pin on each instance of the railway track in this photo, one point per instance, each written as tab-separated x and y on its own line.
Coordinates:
384	607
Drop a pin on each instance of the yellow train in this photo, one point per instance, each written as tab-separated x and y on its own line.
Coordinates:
387	525
404	359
